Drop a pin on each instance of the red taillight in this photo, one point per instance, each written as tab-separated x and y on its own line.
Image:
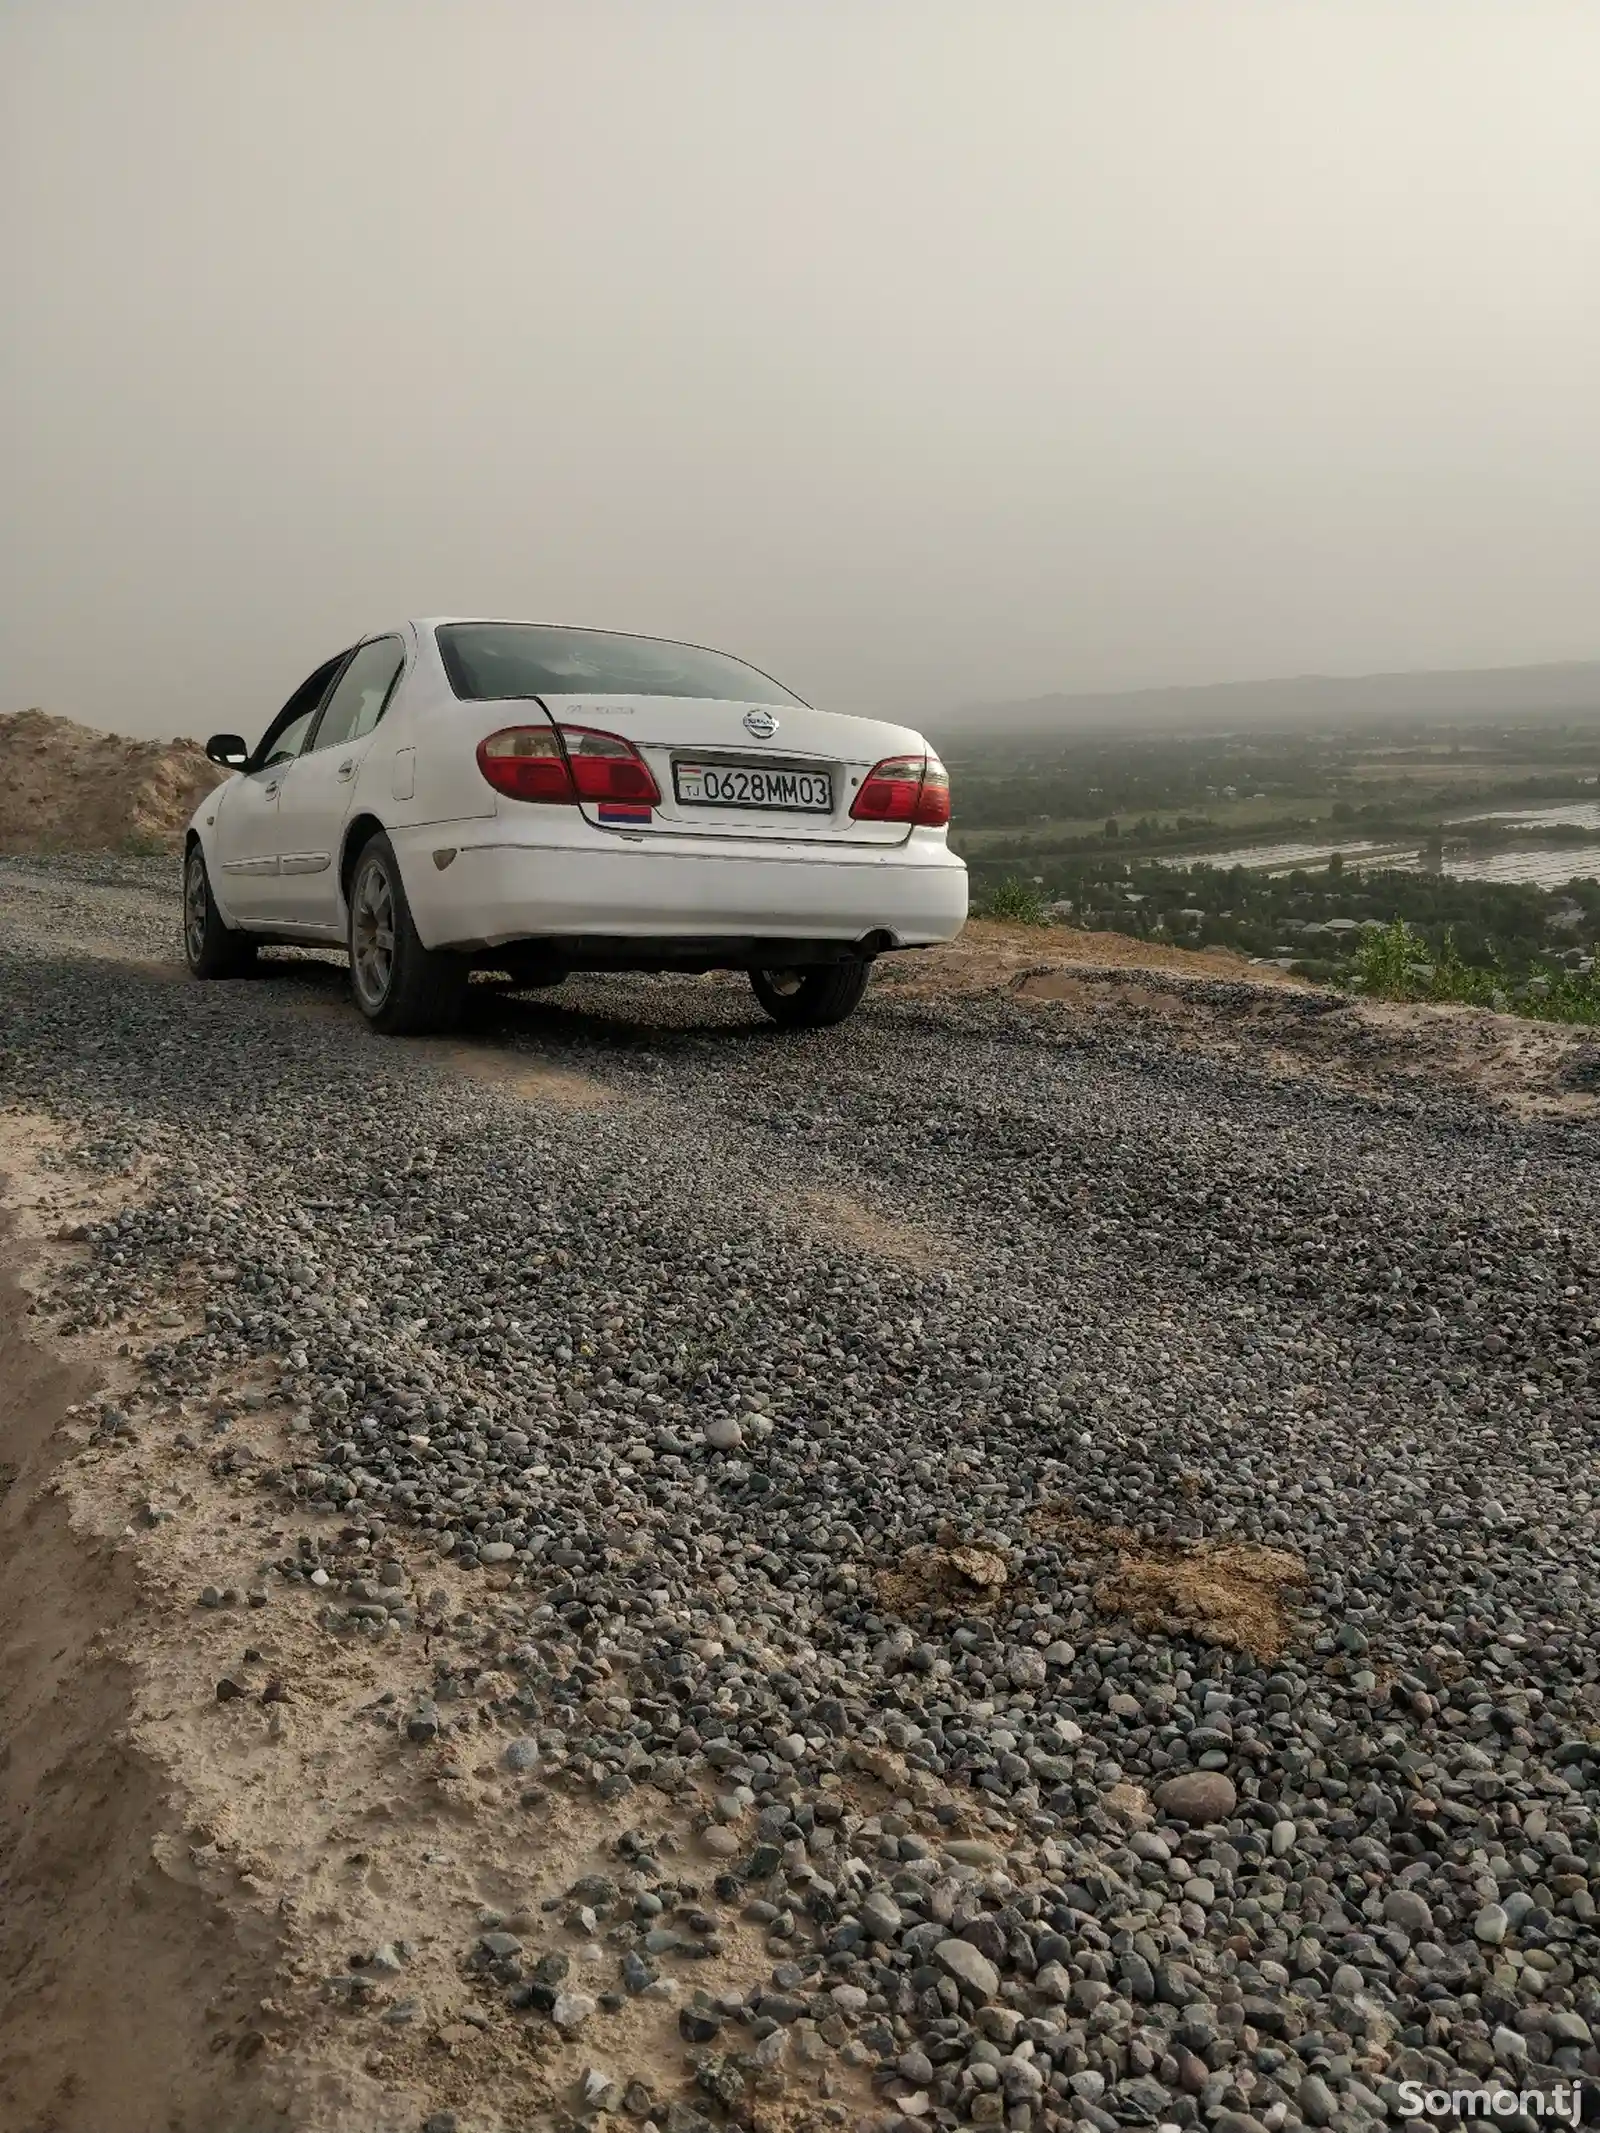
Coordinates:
933	802
526	763
905	788
566	764
606	767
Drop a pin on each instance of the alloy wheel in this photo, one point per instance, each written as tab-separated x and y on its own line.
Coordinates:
195	898
372	934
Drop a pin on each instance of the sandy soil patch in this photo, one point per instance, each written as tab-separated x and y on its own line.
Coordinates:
88	1820
838	1218
1124	997
1229	1594
1232	1594
944	1579
515	1072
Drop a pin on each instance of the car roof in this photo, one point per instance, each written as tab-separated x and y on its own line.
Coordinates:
439	622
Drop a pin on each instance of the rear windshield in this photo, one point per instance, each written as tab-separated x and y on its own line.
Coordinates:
489	660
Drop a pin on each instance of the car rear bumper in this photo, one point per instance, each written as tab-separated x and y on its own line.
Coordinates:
490	892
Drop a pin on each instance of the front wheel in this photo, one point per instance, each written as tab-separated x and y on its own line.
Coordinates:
211	949
403	988
812	999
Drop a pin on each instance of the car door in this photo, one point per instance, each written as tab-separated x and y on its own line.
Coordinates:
319	787
246	841
245	845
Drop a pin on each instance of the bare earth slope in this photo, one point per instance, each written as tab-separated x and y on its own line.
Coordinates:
66	787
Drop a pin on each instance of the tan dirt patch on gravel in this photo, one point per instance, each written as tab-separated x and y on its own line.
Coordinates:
1229	1594
1085	992
1224	1593
838	1218
516	1073
91	1833
936	1580
1128	1801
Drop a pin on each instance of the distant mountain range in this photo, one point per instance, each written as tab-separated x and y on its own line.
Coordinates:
1299	700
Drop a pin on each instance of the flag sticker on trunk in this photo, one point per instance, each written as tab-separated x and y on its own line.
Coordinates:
629	812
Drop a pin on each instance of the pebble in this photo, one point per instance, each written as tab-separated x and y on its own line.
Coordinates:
973	1851
1405	1908
1198	1797
1317	2102
571	2011
960	1960
881	1917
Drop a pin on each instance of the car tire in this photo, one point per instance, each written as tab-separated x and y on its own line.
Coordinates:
403	988
812	999
210	948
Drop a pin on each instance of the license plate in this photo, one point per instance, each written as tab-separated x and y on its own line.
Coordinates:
808	792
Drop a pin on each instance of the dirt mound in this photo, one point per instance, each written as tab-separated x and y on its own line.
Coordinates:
1215	1003
66	787
992	956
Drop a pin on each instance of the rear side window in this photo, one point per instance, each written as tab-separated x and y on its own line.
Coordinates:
363	690
486	662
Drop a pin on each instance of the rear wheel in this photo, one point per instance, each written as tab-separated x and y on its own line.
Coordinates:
211	949
812	999
403	988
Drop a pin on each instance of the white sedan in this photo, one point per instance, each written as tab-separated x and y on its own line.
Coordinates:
507	795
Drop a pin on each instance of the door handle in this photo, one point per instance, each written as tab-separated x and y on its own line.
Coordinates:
347	769
271	790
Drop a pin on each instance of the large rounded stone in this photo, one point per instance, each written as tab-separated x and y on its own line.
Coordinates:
1198	1796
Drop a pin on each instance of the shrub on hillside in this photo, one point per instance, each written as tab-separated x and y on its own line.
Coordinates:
1014	900
1396	964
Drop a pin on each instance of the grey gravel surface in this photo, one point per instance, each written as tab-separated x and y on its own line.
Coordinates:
1129	1293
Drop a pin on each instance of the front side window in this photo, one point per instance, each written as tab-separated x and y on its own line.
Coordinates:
363	690
486	662
282	741
288	744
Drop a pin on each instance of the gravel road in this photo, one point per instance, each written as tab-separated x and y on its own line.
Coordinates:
1102	1548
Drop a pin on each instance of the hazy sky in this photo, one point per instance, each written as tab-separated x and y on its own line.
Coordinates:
922	353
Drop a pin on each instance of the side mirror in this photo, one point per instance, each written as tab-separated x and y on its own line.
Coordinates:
229	750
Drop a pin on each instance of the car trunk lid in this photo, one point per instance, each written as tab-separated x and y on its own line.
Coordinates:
744	771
